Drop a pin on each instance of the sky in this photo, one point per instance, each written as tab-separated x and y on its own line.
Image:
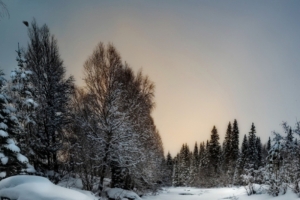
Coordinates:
211	61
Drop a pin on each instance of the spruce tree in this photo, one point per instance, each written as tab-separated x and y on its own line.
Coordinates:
196	155
169	169
227	148
201	154
22	93
184	175
259	152
176	171
241	161
214	151
235	143
12	161
269	144
252	150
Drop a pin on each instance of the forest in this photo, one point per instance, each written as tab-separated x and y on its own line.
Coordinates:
103	130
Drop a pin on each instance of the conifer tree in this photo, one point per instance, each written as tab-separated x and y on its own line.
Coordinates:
196	155
252	150
241	161
269	144
259	152
169	169
176	172
184	166
194	165
12	161
22	94
201	154
227	147
53	92
235	143
214	151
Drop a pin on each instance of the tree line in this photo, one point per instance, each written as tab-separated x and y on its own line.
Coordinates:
53	128
274	165
211	164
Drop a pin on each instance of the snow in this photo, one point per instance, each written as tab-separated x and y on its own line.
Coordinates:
13	74
25	187
2	174
30	102
117	193
22	158
3	133
30	168
12	146
189	193
3	126
4	160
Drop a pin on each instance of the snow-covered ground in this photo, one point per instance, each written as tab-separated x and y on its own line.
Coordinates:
187	193
25	187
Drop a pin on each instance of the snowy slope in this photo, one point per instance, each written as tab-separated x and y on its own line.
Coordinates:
185	193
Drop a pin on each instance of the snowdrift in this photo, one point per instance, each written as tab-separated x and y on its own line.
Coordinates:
117	193
26	187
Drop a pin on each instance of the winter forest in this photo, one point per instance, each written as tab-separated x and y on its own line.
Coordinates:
103	135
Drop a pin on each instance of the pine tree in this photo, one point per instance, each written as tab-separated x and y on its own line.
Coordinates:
12	161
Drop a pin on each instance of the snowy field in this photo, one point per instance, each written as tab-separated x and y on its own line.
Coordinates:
185	193
24	187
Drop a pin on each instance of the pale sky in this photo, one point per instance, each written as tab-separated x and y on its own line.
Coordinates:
211	61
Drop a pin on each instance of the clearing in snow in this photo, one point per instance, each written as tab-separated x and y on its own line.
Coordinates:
235	193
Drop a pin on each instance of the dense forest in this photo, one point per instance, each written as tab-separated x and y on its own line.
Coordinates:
50	127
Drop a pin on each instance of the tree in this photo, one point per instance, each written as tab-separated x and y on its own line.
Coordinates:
242	161
214	151
252	150
228	148
196	155
128	143
169	170
259	152
52	94
175	175
235	144
12	161
22	93
269	144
